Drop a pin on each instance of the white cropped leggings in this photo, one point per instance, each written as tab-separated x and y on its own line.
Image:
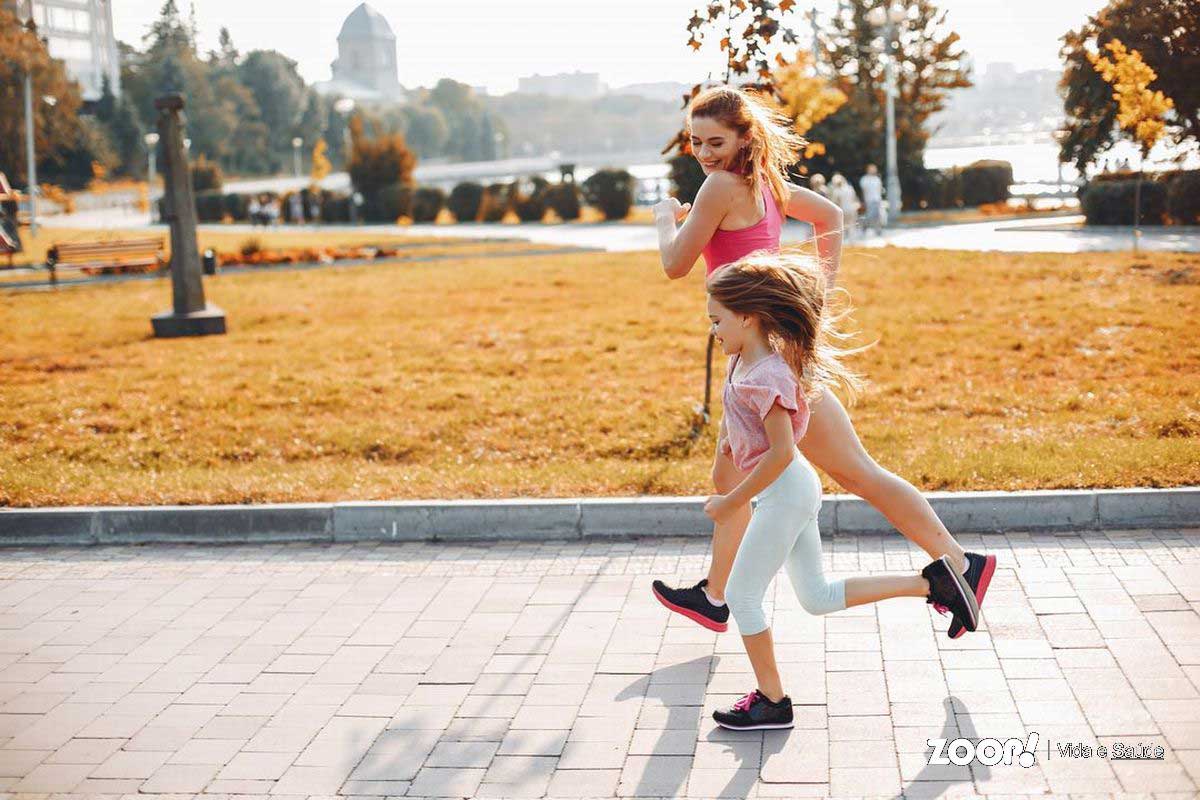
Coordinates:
783	531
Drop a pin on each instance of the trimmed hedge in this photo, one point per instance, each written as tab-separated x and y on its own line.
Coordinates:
389	203
611	191
335	207
976	184
1110	201
985	182
206	176
1183	197
427	203
565	200
686	178
529	201
497	199
465	200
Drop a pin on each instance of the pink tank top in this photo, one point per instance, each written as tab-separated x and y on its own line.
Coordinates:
725	247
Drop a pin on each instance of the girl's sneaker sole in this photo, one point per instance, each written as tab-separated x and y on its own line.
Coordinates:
700	619
985	579
769	727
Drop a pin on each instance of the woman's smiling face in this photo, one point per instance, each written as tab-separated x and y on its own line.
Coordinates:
714	145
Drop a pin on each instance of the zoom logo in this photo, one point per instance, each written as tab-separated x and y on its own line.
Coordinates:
988	752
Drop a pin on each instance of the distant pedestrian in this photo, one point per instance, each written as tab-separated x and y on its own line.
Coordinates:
843	194
296	208
254	210
872	195
818	185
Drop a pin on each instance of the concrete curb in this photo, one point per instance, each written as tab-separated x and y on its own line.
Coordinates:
540	520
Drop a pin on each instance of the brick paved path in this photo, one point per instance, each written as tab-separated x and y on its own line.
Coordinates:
530	670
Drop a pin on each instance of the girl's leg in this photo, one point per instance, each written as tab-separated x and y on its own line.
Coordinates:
832	445
766	545
727	535
761	649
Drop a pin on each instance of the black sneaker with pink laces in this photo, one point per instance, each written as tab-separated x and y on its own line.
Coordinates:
755	712
950	592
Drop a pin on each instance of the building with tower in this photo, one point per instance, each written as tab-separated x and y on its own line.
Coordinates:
365	68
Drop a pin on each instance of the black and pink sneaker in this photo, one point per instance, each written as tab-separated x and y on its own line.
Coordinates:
949	592
978	576
694	604
755	712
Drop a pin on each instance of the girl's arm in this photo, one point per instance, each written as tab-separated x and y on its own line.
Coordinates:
782	450
826	219
679	248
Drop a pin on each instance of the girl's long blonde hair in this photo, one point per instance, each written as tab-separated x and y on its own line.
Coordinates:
786	293
774	144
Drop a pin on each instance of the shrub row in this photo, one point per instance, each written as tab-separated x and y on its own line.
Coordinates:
611	191
1168	198
976	184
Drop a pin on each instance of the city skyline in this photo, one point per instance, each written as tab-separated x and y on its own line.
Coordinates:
626	42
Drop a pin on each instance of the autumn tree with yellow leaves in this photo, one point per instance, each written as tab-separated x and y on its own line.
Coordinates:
1141	111
320	162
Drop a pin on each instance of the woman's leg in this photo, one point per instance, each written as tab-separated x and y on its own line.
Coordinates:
819	596
832	445
727	535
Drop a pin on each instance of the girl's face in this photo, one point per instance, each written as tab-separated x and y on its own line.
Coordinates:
714	145
732	330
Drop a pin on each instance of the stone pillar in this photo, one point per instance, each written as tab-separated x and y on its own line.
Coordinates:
190	315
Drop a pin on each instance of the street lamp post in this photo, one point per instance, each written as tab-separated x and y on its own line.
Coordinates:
344	106
151	140
888	18
30	158
297	143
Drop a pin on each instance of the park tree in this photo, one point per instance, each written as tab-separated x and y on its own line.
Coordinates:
1141	111
463	112
929	64
805	98
252	152
279	93
321	167
169	64
57	132
121	128
747	49
379	161
1166	34
425	129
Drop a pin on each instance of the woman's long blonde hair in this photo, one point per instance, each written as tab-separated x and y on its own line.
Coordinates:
774	144
786	293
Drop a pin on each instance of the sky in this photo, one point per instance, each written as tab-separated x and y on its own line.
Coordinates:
492	43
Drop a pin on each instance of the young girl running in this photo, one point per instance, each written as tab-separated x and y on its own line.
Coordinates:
768	314
745	149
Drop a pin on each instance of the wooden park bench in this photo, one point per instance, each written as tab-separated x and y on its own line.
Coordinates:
121	255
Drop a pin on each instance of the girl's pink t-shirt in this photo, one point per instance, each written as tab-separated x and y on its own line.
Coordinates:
747	401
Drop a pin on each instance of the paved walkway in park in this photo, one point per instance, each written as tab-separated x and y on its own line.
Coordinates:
531	670
1031	235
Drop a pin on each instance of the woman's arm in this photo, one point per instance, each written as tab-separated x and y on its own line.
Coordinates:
679	248
826	219
782	450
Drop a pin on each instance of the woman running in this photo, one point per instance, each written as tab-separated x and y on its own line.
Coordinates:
745	149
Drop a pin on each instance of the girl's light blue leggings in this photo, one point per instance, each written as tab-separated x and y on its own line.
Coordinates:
783	531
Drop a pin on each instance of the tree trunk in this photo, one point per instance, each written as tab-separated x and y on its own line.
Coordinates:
1137	210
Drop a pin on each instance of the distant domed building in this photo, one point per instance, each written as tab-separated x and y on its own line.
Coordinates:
365	68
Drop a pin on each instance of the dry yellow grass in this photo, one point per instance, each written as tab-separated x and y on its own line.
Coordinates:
570	376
